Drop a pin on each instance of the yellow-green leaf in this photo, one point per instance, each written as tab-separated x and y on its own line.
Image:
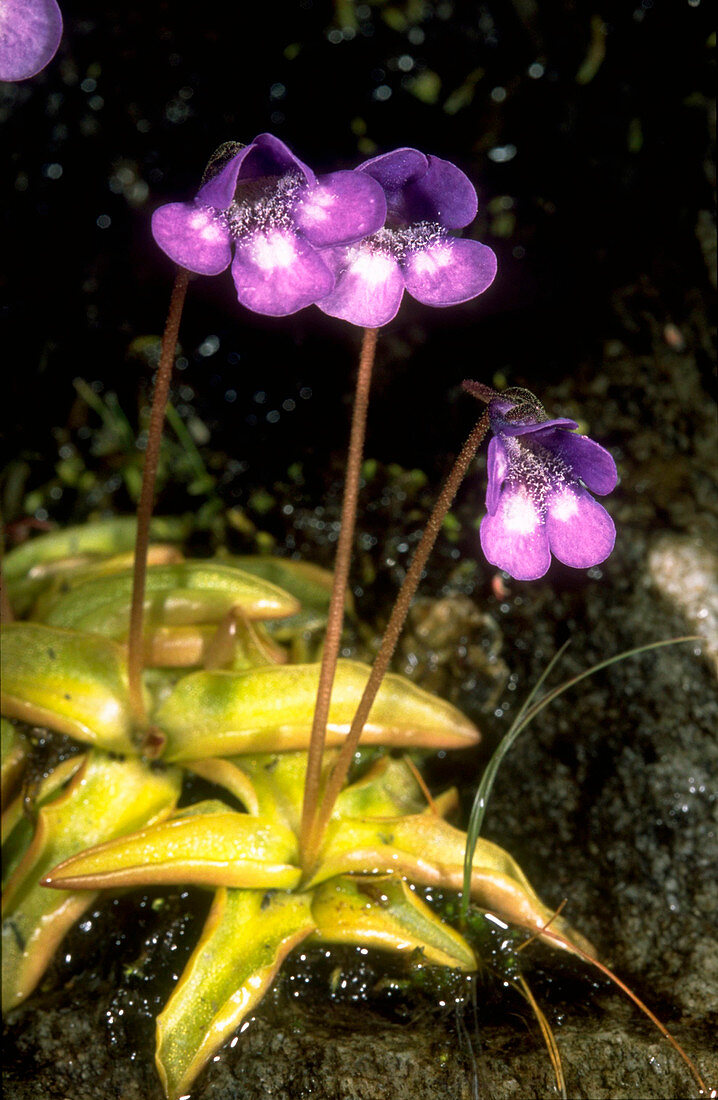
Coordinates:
194	847
272	784
270	709
388	788
427	850
182	594
17	824
312	586
14	755
105	798
72	683
226	774
105	537
239	644
382	911
246	938
40	586
278	782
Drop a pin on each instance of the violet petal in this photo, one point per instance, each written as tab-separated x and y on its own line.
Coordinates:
394	170
524	427
580	531
339	208
368	288
193	237
219	189
265	156
444	194
588	460
271	157
30	32
449	271
497	464
277	273
514	538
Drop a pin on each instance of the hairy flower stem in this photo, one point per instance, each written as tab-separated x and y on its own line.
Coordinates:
335	619
147	493
6	612
341	767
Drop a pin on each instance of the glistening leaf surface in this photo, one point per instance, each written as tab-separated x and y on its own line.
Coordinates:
105	798
270	709
426	849
210	848
181	594
383	912
105	537
246	938
70	682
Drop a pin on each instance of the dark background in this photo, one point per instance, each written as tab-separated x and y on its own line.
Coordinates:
585	128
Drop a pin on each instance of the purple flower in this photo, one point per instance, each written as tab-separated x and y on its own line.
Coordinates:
30	32
425	196
269	207
539	472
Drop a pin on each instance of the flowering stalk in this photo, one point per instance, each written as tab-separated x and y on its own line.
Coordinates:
6	612
335	618
147	492
391	637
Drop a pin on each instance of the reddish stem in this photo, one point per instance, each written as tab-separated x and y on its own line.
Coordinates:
147	493
6	612
391	636
335	619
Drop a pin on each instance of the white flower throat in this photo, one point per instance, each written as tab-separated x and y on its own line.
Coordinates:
400	240
262	204
540	471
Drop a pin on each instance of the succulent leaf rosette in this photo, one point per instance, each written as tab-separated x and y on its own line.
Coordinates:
227	705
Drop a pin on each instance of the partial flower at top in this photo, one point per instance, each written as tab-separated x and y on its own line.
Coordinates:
30	32
276	214
426	197
539	472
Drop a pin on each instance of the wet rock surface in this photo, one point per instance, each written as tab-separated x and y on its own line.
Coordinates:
299	1056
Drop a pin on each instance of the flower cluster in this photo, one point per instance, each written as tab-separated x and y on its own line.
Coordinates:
539	471
30	32
349	241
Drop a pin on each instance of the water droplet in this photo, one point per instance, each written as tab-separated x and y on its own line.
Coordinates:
500	154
